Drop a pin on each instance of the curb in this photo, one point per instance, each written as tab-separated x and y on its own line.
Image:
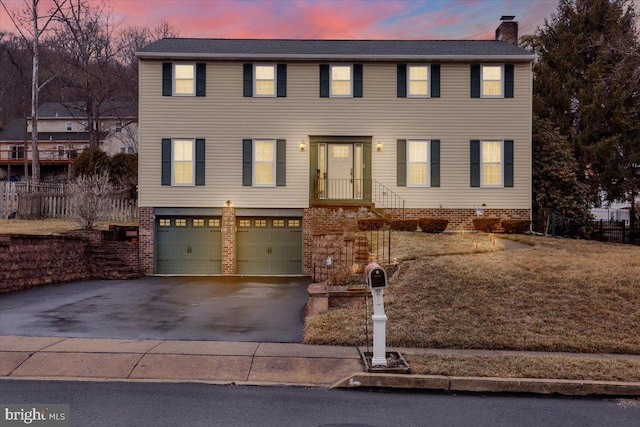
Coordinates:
491	385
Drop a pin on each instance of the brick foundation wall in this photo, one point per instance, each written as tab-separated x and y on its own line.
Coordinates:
345	250
460	219
145	239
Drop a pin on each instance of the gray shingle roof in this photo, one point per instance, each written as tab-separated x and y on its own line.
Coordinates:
75	110
333	49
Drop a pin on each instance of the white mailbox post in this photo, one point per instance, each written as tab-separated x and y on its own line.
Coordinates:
376	278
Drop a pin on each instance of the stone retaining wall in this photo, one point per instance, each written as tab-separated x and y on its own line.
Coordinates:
28	261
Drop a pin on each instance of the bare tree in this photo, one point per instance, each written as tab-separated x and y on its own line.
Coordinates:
29	23
87	36
89	199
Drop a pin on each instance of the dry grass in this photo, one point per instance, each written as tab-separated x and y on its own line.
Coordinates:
553	367
46	226
560	295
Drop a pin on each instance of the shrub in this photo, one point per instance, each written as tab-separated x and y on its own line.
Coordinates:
404	224
515	226
488	225
92	161
432	225
367	224
123	169
88	197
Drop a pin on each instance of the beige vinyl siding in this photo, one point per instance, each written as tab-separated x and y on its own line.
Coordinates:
224	117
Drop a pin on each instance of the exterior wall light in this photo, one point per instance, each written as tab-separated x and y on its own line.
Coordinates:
303	145
379	146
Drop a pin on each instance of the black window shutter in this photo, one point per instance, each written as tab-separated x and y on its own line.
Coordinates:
435	163
247	162
281	162
475	163
247	79
167	79
475	80
508	81
201	79
282	80
402	80
402	162
166	161
435	80
357	80
200	161
324	80
508	163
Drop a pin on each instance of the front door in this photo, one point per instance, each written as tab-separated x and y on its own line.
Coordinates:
340	171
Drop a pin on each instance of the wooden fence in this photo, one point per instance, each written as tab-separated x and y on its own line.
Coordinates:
50	201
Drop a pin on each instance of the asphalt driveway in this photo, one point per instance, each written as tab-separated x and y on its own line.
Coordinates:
258	309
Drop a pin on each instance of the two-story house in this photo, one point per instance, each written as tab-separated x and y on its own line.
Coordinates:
63	134
250	148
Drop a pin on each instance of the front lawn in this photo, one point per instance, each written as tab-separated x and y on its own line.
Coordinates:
559	295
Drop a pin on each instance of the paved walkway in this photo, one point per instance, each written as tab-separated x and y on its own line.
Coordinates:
247	363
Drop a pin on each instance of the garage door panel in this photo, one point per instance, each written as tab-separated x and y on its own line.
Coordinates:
269	246
186	245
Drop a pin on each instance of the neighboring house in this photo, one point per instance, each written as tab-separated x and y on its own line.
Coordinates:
63	134
250	148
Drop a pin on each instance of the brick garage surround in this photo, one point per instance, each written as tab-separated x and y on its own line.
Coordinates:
228	240
146	239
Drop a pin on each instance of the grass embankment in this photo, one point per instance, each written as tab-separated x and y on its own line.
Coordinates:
47	226
559	295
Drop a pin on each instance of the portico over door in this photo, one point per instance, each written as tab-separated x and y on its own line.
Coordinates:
341	168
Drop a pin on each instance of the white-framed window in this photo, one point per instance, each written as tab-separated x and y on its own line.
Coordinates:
69	126
264	80
264	162
341	81
184	79
418	163
183	162
491	163
418	81
118	127
85	125
492	81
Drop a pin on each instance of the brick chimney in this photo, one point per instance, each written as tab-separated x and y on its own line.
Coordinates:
508	30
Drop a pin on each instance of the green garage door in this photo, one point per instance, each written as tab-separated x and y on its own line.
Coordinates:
188	245
269	246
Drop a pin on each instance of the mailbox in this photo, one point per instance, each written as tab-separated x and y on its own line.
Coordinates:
376	276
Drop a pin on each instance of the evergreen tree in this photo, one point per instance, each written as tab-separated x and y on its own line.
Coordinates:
555	185
587	83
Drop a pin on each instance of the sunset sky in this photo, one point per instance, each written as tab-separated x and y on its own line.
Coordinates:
324	19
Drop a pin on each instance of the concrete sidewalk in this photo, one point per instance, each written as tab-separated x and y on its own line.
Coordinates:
245	363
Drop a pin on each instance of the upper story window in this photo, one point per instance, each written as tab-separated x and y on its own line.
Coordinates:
183	79
341	81
417	163
69	126
118	127
418	80
492	80
265	80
